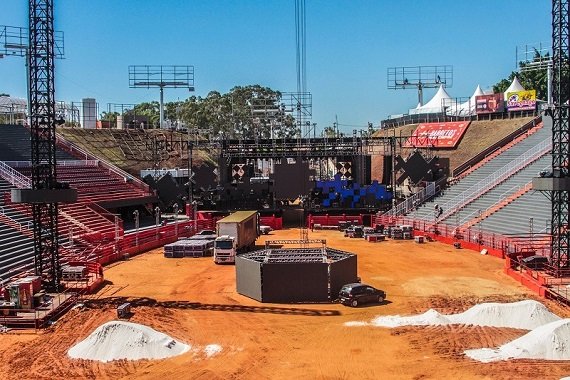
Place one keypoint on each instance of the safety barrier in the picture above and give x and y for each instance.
(472, 238)
(272, 221)
(333, 220)
(413, 201)
(13, 176)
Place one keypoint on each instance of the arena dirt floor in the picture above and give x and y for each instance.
(195, 301)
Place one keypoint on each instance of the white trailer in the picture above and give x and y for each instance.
(236, 234)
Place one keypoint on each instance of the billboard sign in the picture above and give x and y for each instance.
(489, 103)
(437, 135)
(521, 100)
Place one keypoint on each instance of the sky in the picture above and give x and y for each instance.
(350, 45)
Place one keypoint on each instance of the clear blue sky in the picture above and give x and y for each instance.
(350, 45)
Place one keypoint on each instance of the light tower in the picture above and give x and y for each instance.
(536, 57)
(14, 41)
(46, 192)
(557, 187)
(173, 76)
(420, 77)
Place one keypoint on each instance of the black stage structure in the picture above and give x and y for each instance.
(296, 163)
(295, 274)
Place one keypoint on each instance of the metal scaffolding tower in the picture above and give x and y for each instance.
(558, 186)
(46, 192)
(560, 132)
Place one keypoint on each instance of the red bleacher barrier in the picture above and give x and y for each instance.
(147, 239)
(272, 221)
(495, 244)
(332, 220)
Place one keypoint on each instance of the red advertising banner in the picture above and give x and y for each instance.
(437, 135)
(489, 103)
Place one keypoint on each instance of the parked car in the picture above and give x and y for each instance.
(357, 293)
(206, 232)
(265, 229)
(535, 262)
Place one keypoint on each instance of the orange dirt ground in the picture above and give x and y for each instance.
(195, 301)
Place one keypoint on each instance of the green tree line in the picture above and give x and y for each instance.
(218, 114)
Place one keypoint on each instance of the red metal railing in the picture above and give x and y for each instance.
(473, 238)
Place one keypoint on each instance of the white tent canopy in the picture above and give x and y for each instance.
(468, 107)
(515, 86)
(435, 103)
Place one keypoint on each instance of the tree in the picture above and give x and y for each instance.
(230, 114)
(151, 111)
(109, 116)
(329, 132)
(536, 79)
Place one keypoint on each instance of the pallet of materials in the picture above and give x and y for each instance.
(189, 248)
(374, 238)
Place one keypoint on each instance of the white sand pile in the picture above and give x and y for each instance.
(124, 340)
(526, 314)
(212, 350)
(547, 342)
(429, 318)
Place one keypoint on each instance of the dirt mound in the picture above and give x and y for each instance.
(124, 340)
(547, 342)
(527, 315)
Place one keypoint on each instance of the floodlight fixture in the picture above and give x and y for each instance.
(420, 77)
(161, 76)
(535, 57)
(14, 41)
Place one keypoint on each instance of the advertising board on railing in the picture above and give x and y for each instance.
(437, 135)
(489, 103)
(521, 100)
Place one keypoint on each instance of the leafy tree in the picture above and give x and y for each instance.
(530, 79)
(329, 131)
(109, 116)
(150, 110)
(230, 114)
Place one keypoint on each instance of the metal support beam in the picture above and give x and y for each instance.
(42, 119)
(560, 132)
(161, 111)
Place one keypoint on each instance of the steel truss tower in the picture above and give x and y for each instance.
(46, 192)
(560, 132)
(558, 186)
(42, 107)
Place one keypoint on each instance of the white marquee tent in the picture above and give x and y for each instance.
(435, 103)
(468, 107)
(515, 86)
